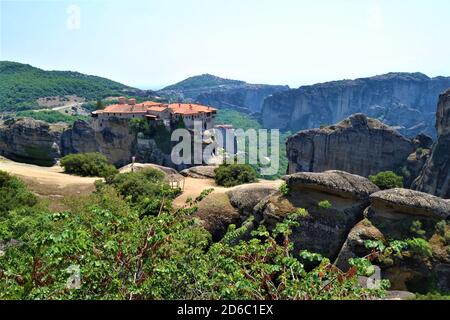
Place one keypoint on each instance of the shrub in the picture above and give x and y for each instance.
(230, 175)
(146, 190)
(14, 194)
(387, 180)
(420, 247)
(441, 228)
(19, 208)
(325, 204)
(416, 228)
(88, 165)
(284, 189)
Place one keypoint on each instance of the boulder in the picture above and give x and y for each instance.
(354, 245)
(396, 213)
(200, 172)
(395, 203)
(246, 197)
(335, 201)
(216, 213)
(170, 173)
(357, 145)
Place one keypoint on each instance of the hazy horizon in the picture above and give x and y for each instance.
(149, 44)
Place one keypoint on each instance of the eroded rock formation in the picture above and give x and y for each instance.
(335, 201)
(358, 145)
(402, 214)
(406, 101)
(435, 177)
(31, 141)
(37, 142)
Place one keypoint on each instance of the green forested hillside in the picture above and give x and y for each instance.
(202, 81)
(22, 84)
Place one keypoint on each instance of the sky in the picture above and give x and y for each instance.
(153, 43)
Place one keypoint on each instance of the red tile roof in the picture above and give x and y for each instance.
(128, 108)
(142, 108)
(189, 109)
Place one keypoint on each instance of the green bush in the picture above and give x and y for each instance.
(14, 194)
(88, 165)
(387, 180)
(420, 247)
(230, 175)
(325, 204)
(284, 189)
(18, 208)
(146, 190)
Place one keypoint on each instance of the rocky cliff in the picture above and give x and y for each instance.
(37, 142)
(406, 101)
(358, 145)
(31, 141)
(114, 140)
(435, 177)
(221, 93)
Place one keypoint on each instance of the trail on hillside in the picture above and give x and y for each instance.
(49, 182)
(193, 187)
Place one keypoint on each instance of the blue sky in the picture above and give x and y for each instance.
(150, 43)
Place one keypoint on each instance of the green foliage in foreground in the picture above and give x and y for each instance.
(88, 165)
(14, 194)
(50, 116)
(146, 190)
(122, 254)
(230, 175)
(284, 189)
(17, 207)
(387, 180)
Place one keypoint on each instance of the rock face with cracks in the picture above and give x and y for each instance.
(357, 145)
(335, 202)
(435, 176)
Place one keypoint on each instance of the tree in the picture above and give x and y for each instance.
(230, 175)
(88, 165)
(387, 180)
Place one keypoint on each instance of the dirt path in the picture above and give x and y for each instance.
(52, 183)
(48, 181)
(193, 187)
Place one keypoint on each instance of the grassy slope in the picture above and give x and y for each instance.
(21, 85)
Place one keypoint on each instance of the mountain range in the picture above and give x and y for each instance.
(406, 101)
